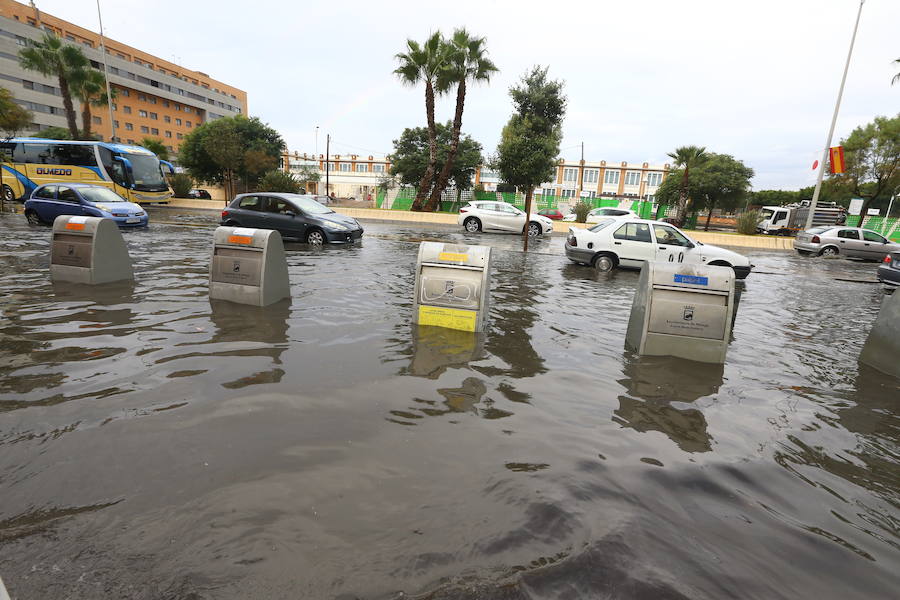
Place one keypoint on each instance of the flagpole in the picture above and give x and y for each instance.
(837, 106)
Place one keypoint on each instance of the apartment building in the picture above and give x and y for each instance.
(582, 179)
(349, 175)
(155, 98)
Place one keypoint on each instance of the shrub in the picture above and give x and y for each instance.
(747, 222)
(181, 184)
(279, 181)
(581, 211)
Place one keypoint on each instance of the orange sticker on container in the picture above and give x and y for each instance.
(240, 239)
(75, 226)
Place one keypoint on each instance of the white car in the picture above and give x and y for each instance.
(628, 242)
(599, 213)
(501, 216)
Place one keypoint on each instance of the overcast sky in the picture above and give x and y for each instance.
(755, 79)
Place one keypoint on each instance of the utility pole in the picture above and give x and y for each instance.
(112, 121)
(837, 106)
(327, 164)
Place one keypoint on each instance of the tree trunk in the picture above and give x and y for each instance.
(67, 105)
(86, 120)
(712, 205)
(681, 213)
(528, 194)
(428, 176)
(435, 201)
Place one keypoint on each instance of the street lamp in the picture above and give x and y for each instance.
(112, 121)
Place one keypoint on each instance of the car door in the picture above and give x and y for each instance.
(250, 212)
(673, 246)
(44, 201)
(875, 246)
(68, 202)
(848, 243)
(633, 244)
(285, 218)
(513, 218)
(491, 217)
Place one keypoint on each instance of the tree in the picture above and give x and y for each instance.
(279, 181)
(872, 162)
(685, 158)
(13, 119)
(720, 181)
(468, 62)
(89, 86)
(54, 133)
(774, 197)
(51, 57)
(529, 143)
(156, 146)
(411, 156)
(897, 76)
(426, 63)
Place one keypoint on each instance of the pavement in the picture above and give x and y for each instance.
(379, 215)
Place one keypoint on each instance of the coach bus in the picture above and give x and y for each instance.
(133, 172)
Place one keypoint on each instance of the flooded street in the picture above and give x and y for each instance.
(155, 445)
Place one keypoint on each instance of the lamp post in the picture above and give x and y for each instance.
(112, 121)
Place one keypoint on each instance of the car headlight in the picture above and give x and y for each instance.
(103, 207)
(335, 226)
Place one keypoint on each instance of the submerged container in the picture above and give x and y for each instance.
(248, 266)
(453, 284)
(88, 250)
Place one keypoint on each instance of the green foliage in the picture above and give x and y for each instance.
(155, 146)
(411, 155)
(13, 118)
(669, 191)
(747, 222)
(775, 197)
(181, 184)
(529, 143)
(279, 181)
(307, 173)
(89, 86)
(582, 209)
(719, 181)
(54, 133)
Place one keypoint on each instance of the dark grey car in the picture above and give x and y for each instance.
(293, 216)
(889, 270)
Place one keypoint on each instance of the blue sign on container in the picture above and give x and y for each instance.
(691, 279)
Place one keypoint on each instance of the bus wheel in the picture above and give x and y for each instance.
(8, 194)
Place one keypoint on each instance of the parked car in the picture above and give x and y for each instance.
(597, 214)
(199, 195)
(51, 200)
(852, 242)
(628, 242)
(501, 216)
(889, 270)
(293, 216)
(552, 214)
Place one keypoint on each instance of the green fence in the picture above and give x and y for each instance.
(888, 227)
(406, 196)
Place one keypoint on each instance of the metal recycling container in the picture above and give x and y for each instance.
(88, 250)
(452, 286)
(248, 266)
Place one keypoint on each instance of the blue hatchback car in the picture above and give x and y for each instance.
(81, 199)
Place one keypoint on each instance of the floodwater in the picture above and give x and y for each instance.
(156, 446)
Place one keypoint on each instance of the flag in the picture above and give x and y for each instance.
(837, 159)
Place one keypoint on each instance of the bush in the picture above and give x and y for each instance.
(747, 222)
(279, 181)
(181, 184)
(581, 211)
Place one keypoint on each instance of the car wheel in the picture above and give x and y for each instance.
(472, 225)
(534, 229)
(829, 251)
(315, 237)
(33, 218)
(604, 263)
(8, 194)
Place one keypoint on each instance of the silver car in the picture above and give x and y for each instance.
(852, 242)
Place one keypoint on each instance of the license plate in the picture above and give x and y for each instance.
(133, 220)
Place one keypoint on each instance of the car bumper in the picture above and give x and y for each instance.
(579, 255)
(343, 237)
(742, 272)
(548, 228)
(889, 276)
(123, 221)
(807, 247)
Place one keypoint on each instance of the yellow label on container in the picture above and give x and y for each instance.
(451, 318)
(454, 256)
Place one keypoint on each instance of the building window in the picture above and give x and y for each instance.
(345, 166)
(131, 141)
(570, 174)
(591, 176)
(651, 198)
(28, 85)
(170, 148)
(633, 178)
(145, 129)
(152, 100)
(568, 193)
(142, 113)
(115, 123)
(187, 109)
(187, 124)
(179, 136)
(126, 110)
(177, 107)
(361, 168)
(168, 134)
(178, 121)
(611, 177)
(142, 97)
(654, 179)
(548, 192)
(154, 116)
(154, 131)
(129, 127)
(96, 120)
(378, 168)
(124, 92)
(167, 118)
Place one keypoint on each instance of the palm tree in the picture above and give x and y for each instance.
(468, 62)
(897, 76)
(426, 63)
(89, 86)
(51, 57)
(686, 157)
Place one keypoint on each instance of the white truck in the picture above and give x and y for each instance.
(790, 219)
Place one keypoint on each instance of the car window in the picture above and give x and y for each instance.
(603, 223)
(99, 194)
(280, 206)
(48, 192)
(669, 236)
(509, 208)
(871, 236)
(67, 195)
(251, 203)
(849, 234)
(635, 232)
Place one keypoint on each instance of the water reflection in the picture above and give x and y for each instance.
(435, 349)
(653, 384)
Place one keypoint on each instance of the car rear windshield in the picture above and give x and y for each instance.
(308, 205)
(99, 195)
(603, 223)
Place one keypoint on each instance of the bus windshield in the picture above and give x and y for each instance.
(146, 173)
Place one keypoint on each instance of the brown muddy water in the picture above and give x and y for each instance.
(156, 446)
